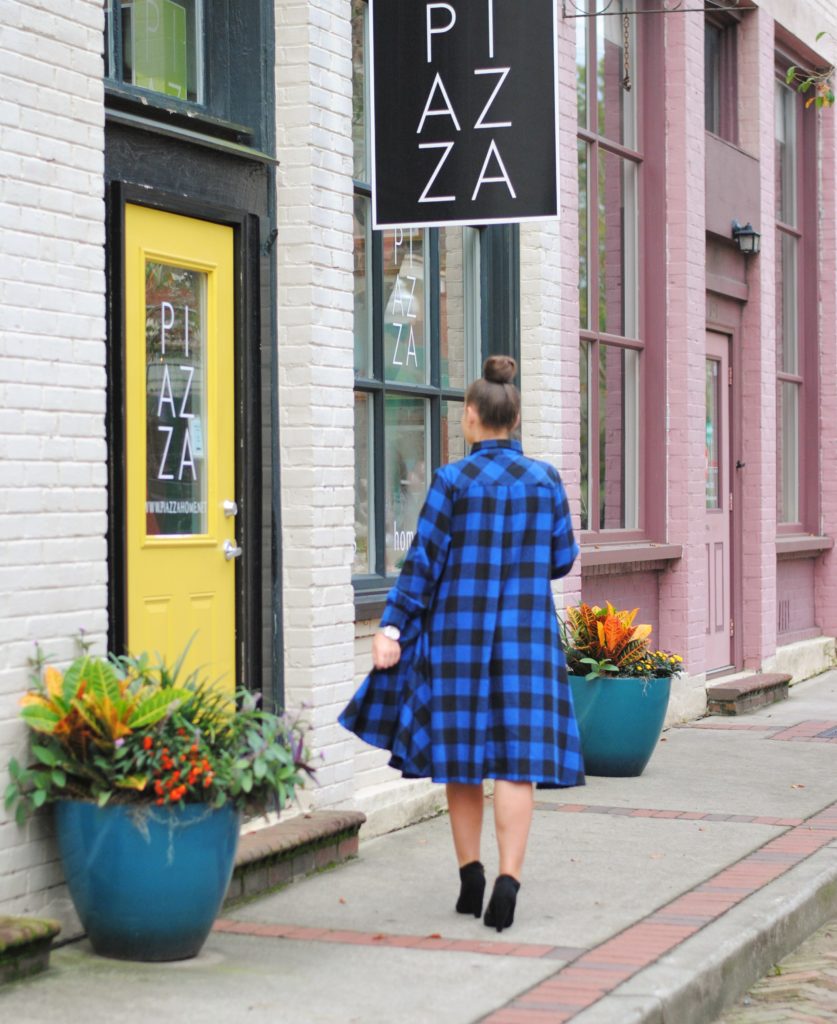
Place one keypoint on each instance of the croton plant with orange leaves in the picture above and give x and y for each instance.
(126, 730)
(603, 641)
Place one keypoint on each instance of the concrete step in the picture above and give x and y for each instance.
(25, 946)
(740, 695)
(271, 857)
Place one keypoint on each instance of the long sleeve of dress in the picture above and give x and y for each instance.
(423, 566)
(564, 547)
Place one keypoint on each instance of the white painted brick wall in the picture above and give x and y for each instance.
(53, 499)
(316, 353)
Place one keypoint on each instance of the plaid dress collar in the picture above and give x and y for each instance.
(496, 444)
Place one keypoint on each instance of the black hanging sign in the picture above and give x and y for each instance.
(464, 112)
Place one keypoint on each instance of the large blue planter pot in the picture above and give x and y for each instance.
(147, 882)
(620, 721)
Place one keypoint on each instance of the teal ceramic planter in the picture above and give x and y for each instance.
(620, 721)
(147, 882)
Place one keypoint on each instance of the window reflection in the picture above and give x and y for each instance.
(162, 45)
(405, 317)
(617, 245)
(406, 479)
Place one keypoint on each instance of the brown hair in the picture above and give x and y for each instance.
(494, 396)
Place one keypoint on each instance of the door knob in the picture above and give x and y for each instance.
(230, 509)
(231, 551)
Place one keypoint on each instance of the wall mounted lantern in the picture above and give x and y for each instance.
(746, 238)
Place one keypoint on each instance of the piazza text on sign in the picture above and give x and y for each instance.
(463, 111)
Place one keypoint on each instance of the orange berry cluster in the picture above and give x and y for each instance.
(178, 773)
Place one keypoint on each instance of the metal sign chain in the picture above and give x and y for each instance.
(626, 52)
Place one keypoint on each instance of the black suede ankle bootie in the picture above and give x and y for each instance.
(500, 911)
(472, 877)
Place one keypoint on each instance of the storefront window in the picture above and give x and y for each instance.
(792, 246)
(609, 168)
(416, 334)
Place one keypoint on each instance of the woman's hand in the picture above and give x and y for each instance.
(385, 652)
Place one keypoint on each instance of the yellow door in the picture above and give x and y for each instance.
(180, 457)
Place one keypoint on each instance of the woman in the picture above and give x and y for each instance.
(469, 679)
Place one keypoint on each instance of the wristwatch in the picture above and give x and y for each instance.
(391, 632)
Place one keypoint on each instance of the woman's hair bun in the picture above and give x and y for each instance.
(499, 369)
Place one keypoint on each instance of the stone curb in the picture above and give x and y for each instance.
(708, 972)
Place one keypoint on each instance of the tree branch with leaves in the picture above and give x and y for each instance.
(804, 80)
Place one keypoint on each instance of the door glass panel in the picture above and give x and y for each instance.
(407, 458)
(712, 448)
(405, 317)
(176, 407)
(162, 47)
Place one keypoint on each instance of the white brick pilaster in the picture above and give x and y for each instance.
(315, 355)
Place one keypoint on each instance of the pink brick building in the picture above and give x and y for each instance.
(723, 539)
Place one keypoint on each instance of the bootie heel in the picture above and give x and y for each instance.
(500, 911)
(472, 878)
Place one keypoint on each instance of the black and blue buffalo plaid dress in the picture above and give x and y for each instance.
(481, 689)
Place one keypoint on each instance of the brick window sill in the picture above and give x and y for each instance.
(619, 559)
(802, 545)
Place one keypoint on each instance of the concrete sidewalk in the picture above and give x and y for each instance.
(655, 899)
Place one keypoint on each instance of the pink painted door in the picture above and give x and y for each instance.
(718, 504)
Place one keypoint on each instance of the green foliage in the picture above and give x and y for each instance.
(124, 730)
(821, 82)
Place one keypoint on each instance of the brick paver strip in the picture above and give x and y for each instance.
(814, 731)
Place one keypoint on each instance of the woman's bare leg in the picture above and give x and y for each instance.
(465, 803)
(513, 806)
